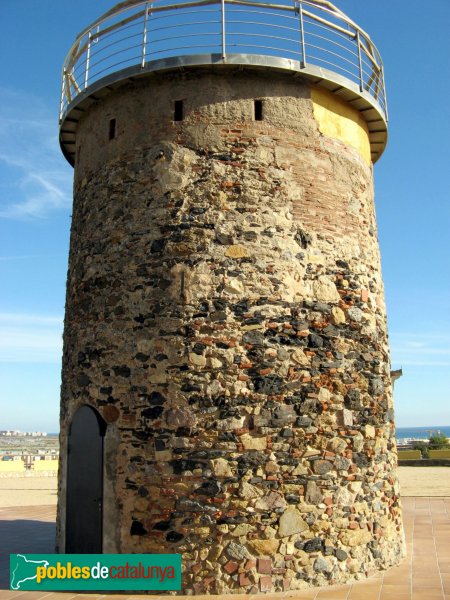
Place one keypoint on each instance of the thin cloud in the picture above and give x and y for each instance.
(420, 349)
(425, 363)
(33, 319)
(28, 257)
(30, 338)
(35, 178)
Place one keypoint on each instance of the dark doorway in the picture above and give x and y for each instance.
(85, 483)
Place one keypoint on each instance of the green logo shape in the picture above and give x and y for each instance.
(95, 572)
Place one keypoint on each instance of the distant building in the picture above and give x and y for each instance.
(18, 433)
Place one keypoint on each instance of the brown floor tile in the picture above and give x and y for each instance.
(30, 595)
(295, 595)
(420, 578)
(60, 596)
(334, 594)
(403, 582)
(138, 597)
(425, 571)
(7, 594)
(397, 576)
(88, 596)
(432, 586)
(270, 596)
(424, 577)
(404, 567)
(432, 589)
(364, 593)
(400, 588)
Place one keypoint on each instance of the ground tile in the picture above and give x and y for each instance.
(60, 596)
(425, 572)
(399, 588)
(436, 590)
(7, 594)
(399, 577)
(295, 595)
(30, 595)
(269, 596)
(427, 582)
(366, 593)
(123, 597)
(334, 594)
(87, 596)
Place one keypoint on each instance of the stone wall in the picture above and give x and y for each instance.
(225, 315)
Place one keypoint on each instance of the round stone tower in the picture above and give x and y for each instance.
(226, 385)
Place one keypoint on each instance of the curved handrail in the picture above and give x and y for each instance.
(307, 32)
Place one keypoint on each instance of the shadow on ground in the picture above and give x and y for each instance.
(23, 537)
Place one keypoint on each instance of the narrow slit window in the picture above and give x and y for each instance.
(178, 110)
(258, 110)
(112, 129)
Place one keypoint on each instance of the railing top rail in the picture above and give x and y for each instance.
(158, 5)
(313, 37)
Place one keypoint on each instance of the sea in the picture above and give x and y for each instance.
(421, 433)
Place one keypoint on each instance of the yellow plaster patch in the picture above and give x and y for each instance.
(340, 121)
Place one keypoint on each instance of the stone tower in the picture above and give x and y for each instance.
(226, 385)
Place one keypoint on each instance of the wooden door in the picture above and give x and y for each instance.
(84, 515)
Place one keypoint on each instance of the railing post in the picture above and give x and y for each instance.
(383, 91)
(88, 60)
(302, 33)
(63, 86)
(144, 36)
(224, 45)
(361, 75)
(68, 83)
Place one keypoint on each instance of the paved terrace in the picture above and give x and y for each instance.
(423, 575)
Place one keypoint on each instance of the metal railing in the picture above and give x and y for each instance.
(144, 34)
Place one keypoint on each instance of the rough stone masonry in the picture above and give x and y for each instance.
(225, 315)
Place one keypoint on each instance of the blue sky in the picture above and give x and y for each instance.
(412, 196)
